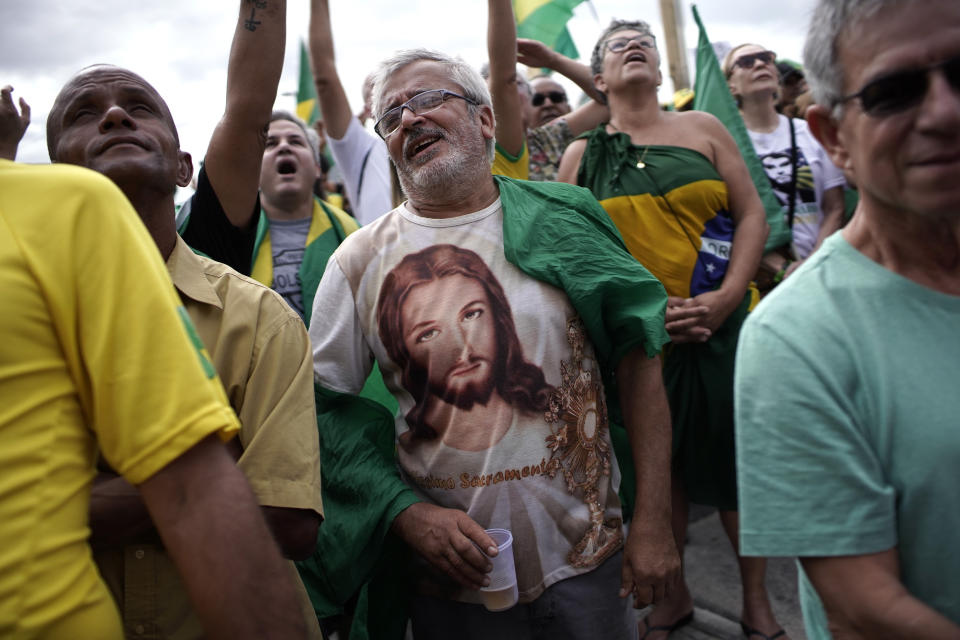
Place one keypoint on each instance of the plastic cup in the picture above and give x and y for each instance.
(501, 593)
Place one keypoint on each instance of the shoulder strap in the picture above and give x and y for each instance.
(793, 175)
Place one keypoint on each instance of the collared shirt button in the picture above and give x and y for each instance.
(138, 554)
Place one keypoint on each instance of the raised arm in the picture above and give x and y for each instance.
(536, 54)
(253, 75)
(502, 49)
(13, 124)
(333, 99)
(864, 598)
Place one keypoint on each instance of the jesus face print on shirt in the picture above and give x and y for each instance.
(445, 321)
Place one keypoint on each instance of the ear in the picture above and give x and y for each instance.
(184, 168)
(487, 122)
(599, 83)
(826, 130)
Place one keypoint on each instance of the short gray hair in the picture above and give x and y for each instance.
(831, 19)
(596, 58)
(313, 138)
(461, 73)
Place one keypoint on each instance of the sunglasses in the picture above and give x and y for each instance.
(556, 97)
(419, 104)
(904, 89)
(747, 61)
(619, 44)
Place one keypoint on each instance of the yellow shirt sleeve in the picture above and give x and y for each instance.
(510, 166)
(145, 383)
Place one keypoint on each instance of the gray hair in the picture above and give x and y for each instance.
(313, 138)
(831, 19)
(596, 58)
(460, 73)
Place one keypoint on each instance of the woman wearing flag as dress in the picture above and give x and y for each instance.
(677, 188)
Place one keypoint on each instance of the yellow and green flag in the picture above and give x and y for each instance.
(307, 108)
(546, 21)
(712, 94)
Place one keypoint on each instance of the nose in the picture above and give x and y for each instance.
(940, 109)
(408, 117)
(116, 116)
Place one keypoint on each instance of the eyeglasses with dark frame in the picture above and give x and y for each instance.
(556, 97)
(619, 44)
(420, 104)
(901, 90)
(747, 61)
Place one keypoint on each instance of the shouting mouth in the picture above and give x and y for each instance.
(286, 166)
(418, 144)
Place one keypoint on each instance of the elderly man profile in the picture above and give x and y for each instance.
(847, 408)
(113, 121)
(552, 480)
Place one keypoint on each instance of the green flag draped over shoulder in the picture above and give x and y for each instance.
(712, 94)
(307, 108)
(546, 21)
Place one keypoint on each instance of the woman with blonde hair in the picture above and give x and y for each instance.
(806, 182)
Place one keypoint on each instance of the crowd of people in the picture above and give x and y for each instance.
(310, 433)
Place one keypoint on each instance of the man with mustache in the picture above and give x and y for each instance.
(512, 301)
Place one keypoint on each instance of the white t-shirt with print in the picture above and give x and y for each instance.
(815, 174)
(502, 411)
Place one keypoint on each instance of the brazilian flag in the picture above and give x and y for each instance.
(546, 21)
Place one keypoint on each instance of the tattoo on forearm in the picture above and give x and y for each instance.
(251, 23)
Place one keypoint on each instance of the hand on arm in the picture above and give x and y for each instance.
(651, 564)
(502, 50)
(864, 598)
(13, 124)
(449, 539)
(536, 54)
(333, 99)
(685, 320)
(253, 74)
(241, 589)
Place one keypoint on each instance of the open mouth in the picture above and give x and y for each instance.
(418, 145)
(286, 167)
(636, 56)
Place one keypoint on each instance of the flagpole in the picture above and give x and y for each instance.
(676, 49)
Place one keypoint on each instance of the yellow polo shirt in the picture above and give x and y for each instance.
(262, 354)
(94, 353)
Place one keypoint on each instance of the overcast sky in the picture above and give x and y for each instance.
(181, 46)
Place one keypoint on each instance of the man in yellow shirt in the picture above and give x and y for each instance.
(113, 121)
(73, 376)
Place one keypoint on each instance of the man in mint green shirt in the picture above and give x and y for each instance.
(846, 387)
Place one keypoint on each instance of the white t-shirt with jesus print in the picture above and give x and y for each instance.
(502, 411)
